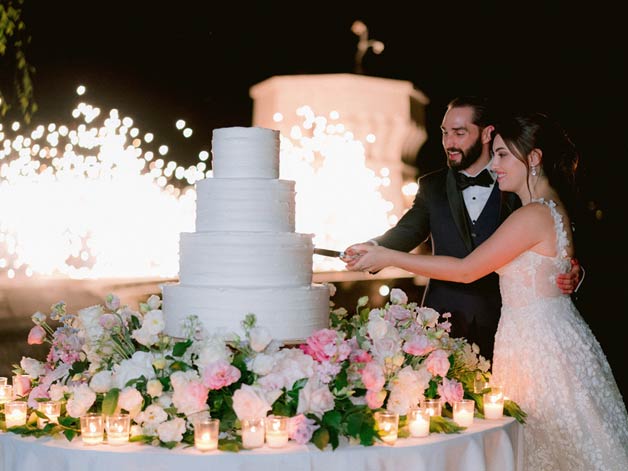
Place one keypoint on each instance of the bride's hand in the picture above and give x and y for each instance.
(365, 257)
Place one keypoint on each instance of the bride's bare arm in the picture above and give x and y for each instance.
(523, 230)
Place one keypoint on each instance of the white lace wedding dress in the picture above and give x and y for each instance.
(550, 363)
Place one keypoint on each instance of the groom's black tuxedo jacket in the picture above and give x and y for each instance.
(439, 211)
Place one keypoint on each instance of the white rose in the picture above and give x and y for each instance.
(263, 364)
(154, 302)
(140, 364)
(82, 399)
(101, 381)
(428, 315)
(377, 327)
(260, 338)
(144, 337)
(250, 402)
(154, 388)
(154, 322)
(315, 398)
(165, 400)
(398, 296)
(152, 416)
(211, 351)
(33, 368)
(131, 401)
(57, 392)
(89, 318)
(171, 431)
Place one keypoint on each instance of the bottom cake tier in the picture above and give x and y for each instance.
(291, 314)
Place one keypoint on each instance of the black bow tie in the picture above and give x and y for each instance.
(483, 179)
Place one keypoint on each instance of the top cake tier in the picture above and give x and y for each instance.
(245, 152)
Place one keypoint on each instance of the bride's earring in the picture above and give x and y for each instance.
(533, 170)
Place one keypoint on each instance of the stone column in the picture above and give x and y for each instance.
(390, 110)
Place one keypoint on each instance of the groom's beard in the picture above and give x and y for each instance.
(469, 157)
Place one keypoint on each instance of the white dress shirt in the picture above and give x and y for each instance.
(475, 197)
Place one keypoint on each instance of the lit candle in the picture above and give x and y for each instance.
(433, 406)
(206, 434)
(51, 409)
(493, 405)
(387, 426)
(276, 431)
(15, 413)
(252, 433)
(118, 427)
(21, 385)
(419, 422)
(92, 426)
(463, 412)
(6, 393)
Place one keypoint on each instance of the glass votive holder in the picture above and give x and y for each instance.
(6, 393)
(118, 428)
(463, 412)
(252, 433)
(15, 413)
(493, 405)
(206, 434)
(419, 422)
(480, 385)
(3, 380)
(497, 390)
(387, 426)
(276, 431)
(21, 385)
(433, 406)
(92, 428)
(51, 409)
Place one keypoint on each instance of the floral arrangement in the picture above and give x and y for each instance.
(110, 359)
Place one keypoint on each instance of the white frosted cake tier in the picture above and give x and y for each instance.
(241, 152)
(249, 204)
(253, 259)
(289, 313)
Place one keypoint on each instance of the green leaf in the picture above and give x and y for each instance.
(181, 347)
(110, 401)
(332, 418)
(512, 409)
(442, 425)
(69, 434)
(229, 444)
(320, 438)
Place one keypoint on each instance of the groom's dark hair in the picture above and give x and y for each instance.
(482, 114)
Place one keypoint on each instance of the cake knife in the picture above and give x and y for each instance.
(329, 253)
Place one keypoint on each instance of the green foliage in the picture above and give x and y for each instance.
(13, 38)
(110, 401)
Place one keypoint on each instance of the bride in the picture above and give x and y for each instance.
(546, 357)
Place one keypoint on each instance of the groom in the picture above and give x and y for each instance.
(459, 207)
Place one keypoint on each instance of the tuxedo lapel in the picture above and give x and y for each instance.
(458, 211)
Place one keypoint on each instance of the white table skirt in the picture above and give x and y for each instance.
(495, 445)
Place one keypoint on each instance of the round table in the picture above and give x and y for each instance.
(487, 445)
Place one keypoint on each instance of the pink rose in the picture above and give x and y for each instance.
(373, 377)
(450, 391)
(317, 344)
(37, 335)
(301, 429)
(219, 374)
(375, 399)
(437, 363)
(418, 345)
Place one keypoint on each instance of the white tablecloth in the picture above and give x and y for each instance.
(495, 445)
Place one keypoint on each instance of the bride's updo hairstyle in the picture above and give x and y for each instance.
(525, 132)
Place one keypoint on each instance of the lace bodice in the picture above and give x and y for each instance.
(525, 279)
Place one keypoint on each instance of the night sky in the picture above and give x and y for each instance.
(158, 62)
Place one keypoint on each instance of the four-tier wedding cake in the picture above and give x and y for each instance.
(245, 256)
